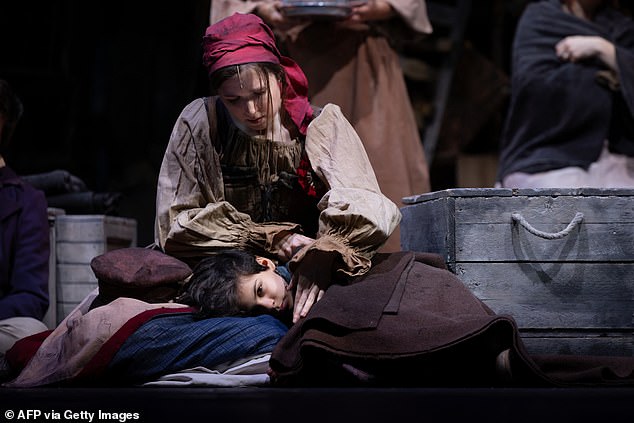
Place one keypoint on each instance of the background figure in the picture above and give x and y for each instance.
(351, 63)
(24, 241)
(571, 116)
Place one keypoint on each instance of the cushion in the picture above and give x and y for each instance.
(141, 273)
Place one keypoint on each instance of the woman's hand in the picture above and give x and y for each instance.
(290, 244)
(271, 14)
(580, 47)
(311, 278)
(373, 10)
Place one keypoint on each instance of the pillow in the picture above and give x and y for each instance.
(142, 273)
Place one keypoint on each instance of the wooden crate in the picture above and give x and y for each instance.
(560, 261)
(50, 318)
(78, 239)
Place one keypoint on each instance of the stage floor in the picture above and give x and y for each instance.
(153, 404)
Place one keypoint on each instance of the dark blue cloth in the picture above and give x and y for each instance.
(171, 343)
(284, 272)
(24, 248)
(560, 113)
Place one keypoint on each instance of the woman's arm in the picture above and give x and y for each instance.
(354, 212)
(221, 9)
(373, 10)
(580, 47)
(411, 12)
(355, 219)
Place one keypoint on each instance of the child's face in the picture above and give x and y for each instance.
(266, 291)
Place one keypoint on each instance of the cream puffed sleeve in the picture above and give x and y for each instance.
(355, 217)
(192, 217)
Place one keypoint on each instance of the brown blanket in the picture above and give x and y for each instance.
(411, 322)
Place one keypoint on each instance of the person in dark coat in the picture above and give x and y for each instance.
(570, 121)
(24, 241)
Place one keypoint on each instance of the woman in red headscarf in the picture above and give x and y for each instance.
(255, 167)
(351, 60)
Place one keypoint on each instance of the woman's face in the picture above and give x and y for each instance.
(265, 291)
(247, 98)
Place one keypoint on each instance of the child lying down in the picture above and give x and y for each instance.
(407, 322)
(125, 340)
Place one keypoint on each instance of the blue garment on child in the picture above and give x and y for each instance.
(283, 271)
(173, 342)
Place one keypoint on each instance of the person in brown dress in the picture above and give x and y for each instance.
(351, 63)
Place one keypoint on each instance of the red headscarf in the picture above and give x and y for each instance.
(245, 38)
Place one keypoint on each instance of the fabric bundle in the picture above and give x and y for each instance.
(66, 191)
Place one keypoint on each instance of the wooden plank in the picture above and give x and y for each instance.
(78, 252)
(605, 344)
(93, 228)
(484, 229)
(75, 273)
(121, 231)
(605, 242)
(545, 210)
(563, 295)
(74, 292)
(79, 239)
(432, 232)
(516, 192)
(50, 318)
(80, 228)
(573, 295)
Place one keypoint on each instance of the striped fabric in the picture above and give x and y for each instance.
(171, 343)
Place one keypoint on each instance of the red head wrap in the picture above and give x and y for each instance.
(245, 38)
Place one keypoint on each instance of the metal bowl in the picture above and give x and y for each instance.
(318, 9)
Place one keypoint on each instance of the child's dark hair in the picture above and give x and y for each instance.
(212, 287)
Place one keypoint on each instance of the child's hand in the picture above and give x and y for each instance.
(312, 277)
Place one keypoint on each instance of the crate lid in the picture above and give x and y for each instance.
(518, 192)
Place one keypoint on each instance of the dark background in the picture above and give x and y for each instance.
(103, 82)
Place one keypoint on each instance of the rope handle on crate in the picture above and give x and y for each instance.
(518, 218)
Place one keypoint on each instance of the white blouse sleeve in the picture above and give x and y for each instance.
(355, 217)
